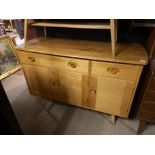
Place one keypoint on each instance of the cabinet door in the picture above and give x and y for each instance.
(112, 95)
(58, 85)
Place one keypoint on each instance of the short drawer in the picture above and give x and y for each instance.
(148, 116)
(150, 96)
(63, 63)
(147, 106)
(115, 70)
(152, 84)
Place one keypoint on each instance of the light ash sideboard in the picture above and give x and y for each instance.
(84, 73)
(91, 74)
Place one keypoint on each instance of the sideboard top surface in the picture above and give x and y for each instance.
(90, 50)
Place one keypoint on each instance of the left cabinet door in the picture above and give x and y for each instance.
(54, 84)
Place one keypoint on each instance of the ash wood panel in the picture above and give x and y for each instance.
(92, 92)
(91, 50)
(53, 61)
(127, 98)
(115, 70)
(58, 85)
(111, 94)
(73, 25)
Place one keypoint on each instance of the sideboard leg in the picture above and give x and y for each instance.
(141, 127)
(113, 119)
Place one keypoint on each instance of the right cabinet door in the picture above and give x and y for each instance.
(114, 96)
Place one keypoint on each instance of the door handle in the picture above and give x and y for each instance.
(32, 59)
(93, 91)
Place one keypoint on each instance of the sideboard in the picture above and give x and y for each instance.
(83, 73)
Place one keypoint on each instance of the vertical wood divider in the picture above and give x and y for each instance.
(25, 31)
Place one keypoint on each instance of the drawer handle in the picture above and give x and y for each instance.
(93, 91)
(72, 64)
(55, 83)
(113, 70)
(32, 59)
(51, 82)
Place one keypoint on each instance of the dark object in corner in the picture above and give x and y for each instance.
(146, 111)
(8, 122)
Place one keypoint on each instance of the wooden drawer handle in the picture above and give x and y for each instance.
(55, 83)
(51, 82)
(113, 70)
(93, 91)
(32, 59)
(72, 64)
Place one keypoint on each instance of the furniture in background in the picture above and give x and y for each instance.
(146, 111)
(9, 25)
(83, 73)
(8, 60)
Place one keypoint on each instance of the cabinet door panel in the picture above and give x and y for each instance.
(39, 81)
(58, 85)
(114, 95)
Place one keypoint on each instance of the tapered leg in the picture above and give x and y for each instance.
(113, 119)
(141, 127)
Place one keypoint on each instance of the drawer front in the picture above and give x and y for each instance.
(152, 84)
(69, 64)
(147, 106)
(115, 70)
(150, 96)
(148, 116)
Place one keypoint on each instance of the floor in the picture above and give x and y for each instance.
(38, 116)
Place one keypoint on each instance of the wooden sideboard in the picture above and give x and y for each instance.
(84, 73)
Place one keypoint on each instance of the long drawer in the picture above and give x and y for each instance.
(64, 63)
(148, 116)
(115, 70)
